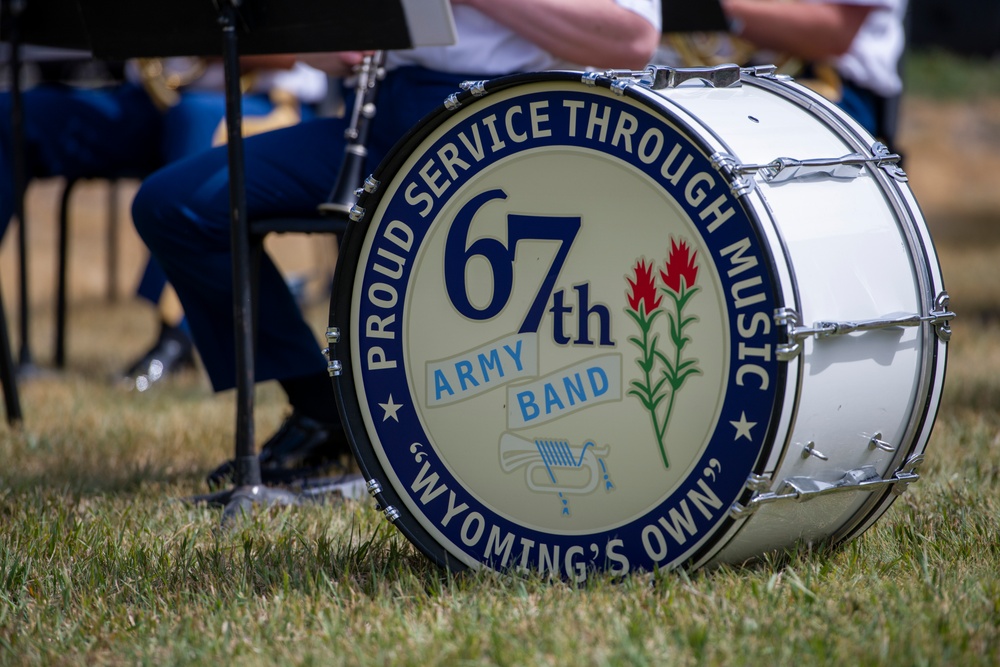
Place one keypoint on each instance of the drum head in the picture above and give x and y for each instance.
(556, 331)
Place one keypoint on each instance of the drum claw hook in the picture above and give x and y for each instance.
(809, 449)
(876, 442)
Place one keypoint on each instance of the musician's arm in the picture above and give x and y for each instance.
(335, 63)
(276, 61)
(812, 31)
(254, 63)
(597, 33)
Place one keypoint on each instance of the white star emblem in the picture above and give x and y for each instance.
(743, 427)
(391, 409)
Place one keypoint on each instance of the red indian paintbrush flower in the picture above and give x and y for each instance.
(643, 289)
(680, 265)
(662, 374)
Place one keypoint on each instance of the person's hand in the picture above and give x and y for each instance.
(335, 63)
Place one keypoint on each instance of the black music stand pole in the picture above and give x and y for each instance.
(247, 488)
(25, 362)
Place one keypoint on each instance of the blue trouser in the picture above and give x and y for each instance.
(74, 132)
(115, 130)
(861, 105)
(188, 128)
(182, 212)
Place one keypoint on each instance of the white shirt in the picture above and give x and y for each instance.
(872, 61)
(486, 47)
(306, 83)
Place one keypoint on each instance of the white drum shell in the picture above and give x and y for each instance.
(854, 250)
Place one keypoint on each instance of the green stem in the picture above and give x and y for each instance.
(674, 383)
(648, 366)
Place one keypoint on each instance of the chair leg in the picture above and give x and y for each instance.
(256, 247)
(8, 378)
(112, 241)
(59, 354)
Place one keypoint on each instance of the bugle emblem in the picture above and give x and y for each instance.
(555, 466)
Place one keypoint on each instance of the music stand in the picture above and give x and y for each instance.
(700, 16)
(120, 29)
(42, 23)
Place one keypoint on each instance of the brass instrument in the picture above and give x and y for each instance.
(708, 49)
(164, 77)
(701, 49)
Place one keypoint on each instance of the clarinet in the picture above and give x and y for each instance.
(351, 177)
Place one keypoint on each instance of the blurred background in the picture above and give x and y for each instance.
(965, 27)
(950, 139)
(949, 135)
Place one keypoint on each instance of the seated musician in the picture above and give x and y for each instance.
(87, 118)
(846, 50)
(182, 212)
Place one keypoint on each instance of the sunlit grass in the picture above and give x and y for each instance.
(102, 560)
(942, 75)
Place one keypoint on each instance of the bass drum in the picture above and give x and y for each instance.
(633, 321)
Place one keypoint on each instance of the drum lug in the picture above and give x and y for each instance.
(787, 318)
(800, 489)
(371, 186)
(619, 79)
(389, 511)
(942, 316)
(758, 482)
(333, 366)
(809, 449)
(905, 476)
(451, 102)
(846, 167)
(719, 76)
(764, 72)
(876, 442)
(890, 163)
(726, 164)
(356, 213)
(939, 317)
(477, 88)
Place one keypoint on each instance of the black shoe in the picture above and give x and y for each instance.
(173, 352)
(302, 448)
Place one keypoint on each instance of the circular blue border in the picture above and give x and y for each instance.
(759, 405)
